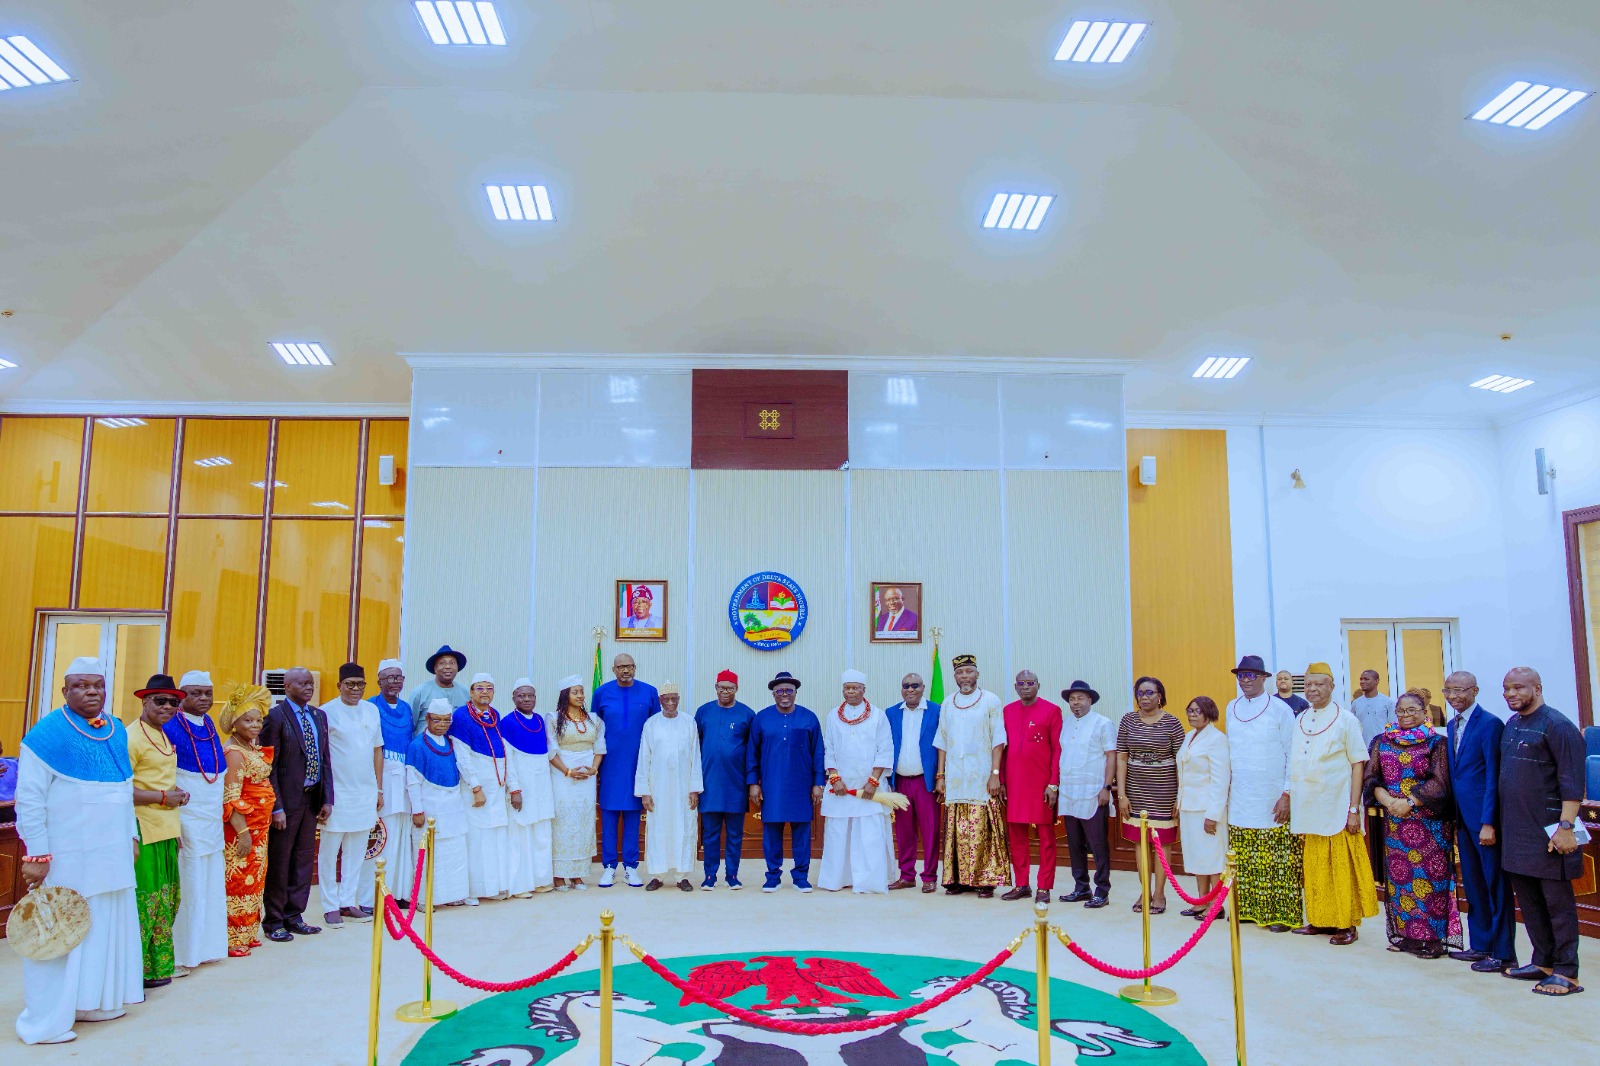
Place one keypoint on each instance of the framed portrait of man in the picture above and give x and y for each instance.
(897, 612)
(641, 610)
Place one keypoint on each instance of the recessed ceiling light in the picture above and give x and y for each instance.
(1100, 42)
(460, 22)
(1015, 210)
(120, 423)
(1221, 367)
(296, 354)
(22, 64)
(520, 203)
(6, 364)
(1529, 105)
(215, 460)
(1501, 383)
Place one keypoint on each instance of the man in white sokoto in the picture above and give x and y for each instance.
(200, 930)
(668, 782)
(858, 749)
(355, 751)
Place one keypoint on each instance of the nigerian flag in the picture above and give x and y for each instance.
(596, 686)
(936, 682)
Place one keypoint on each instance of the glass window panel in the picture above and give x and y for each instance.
(130, 467)
(378, 628)
(316, 467)
(41, 458)
(387, 438)
(138, 655)
(1422, 653)
(38, 556)
(235, 487)
(72, 640)
(124, 564)
(216, 573)
(308, 598)
(1368, 650)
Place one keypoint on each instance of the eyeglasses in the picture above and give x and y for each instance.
(1246, 675)
(911, 684)
(166, 701)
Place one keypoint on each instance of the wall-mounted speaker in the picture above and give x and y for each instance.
(1147, 470)
(386, 470)
(1542, 472)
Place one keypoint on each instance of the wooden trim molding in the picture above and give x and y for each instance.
(1570, 521)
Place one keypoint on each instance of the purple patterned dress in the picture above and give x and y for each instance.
(1418, 871)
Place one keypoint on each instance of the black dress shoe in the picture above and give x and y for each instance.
(1525, 973)
(1488, 965)
(1278, 927)
(1077, 895)
(280, 936)
(1020, 892)
(1096, 903)
(298, 925)
(1469, 956)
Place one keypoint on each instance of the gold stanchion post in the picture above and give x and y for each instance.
(606, 935)
(426, 1009)
(1238, 962)
(1144, 993)
(377, 967)
(1041, 971)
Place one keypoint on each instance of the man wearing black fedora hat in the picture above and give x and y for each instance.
(156, 799)
(444, 665)
(1267, 856)
(1088, 769)
(787, 770)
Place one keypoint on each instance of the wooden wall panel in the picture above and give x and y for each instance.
(387, 437)
(308, 598)
(38, 559)
(1181, 565)
(1366, 649)
(41, 460)
(316, 467)
(124, 564)
(216, 574)
(130, 467)
(378, 627)
(237, 488)
(819, 440)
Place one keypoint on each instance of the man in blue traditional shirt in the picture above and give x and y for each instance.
(397, 719)
(786, 770)
(623, 705)
(724, 726)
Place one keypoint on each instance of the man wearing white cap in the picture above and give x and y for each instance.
(200, 930)
(396, 719)
(75, 817)
(492, 777)
(668, 782)
(858, 747)
(433, 790)
(533, 812)
(355, 751)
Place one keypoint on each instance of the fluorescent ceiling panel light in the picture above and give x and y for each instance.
(1528, 105)
(460, 22)
(6, 364)
(297, 354)
(215, 460)
(520, 203)
(1100, 41)
(1016, 211)
(121, 423)
(1501, 383)
(1221, 367)
(22, 64)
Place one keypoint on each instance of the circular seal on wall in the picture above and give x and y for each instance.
(767, 611)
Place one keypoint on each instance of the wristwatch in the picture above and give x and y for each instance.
(1355, 810)
(1563, 825)
(994, 773)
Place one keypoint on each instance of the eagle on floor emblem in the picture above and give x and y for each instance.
(783, 980)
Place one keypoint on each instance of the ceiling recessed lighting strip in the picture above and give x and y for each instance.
(1016, 211)
(121, 423)
(1527, 105)
(6, 364)
(520, 203)
(1501, 383)
(1222, 367)
(297, 354)
(460, 22)
(215, 460)
(1100, 42)
(22, 64)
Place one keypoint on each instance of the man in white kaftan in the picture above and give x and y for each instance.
(355, 751)
(493, 780)
(75, 817)
(668, 782)
(200, 928)
(1267, 855)
(971, 741)
(533, 812)
(858, 834)
(434, 790)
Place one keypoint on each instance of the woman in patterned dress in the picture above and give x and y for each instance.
(1408, 775)
(247, 801)
(1148, 740)
(580, 746)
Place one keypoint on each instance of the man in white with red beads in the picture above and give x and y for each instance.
(858, 749)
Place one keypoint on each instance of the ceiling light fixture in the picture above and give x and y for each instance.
(121, 423)
(1529, 105)
(215, 460)
(1016, 211)
(1222, 367)
(460, 22)
(1501, 383)
(520, 203)
(22, 65)
(6, 364)
(297, 354)
(1100, 42)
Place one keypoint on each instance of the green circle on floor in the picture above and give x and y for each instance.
(990, 1024)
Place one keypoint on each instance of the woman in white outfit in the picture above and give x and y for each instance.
(1203, 777)
(578, 745)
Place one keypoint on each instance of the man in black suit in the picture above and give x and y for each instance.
(302, 777)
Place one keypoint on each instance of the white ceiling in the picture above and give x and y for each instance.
(1292, 182)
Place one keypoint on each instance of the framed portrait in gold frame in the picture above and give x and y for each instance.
(641, 609)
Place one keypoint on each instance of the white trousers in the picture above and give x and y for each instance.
(858, 852)
(355, 887)
(489, 861)
(532, 860)
(400, 853)
(105, 972)
(200, 931)
(450, 882)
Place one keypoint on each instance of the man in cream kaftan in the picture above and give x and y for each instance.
(533, 813)
(668, 781)
(858, 835)
(200, 931)
(971, 740)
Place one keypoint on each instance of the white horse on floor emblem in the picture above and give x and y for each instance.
(988, 1018)
(637, 1041)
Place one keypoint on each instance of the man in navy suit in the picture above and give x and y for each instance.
(302, 778)
(915, 761)
(1474, 747)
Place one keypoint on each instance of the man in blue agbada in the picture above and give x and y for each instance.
(623, 705)
(786, 769)
(724, 726)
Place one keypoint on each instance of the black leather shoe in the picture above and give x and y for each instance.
(1525, 973)
(298, 925)
(1077, 895)
(1469, 956)
(280, 936)
(1096, 903)
(1488, 965)
(1020, 892)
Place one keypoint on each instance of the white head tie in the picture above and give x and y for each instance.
(478, 679)
(521, 682)
(853, 677)
(390, 664)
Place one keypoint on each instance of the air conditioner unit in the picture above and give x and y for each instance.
(273, 680)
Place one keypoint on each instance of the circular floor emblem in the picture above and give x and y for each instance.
(767, 611)
(990, 1024)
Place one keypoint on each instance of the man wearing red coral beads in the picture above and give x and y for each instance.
(1031, 772)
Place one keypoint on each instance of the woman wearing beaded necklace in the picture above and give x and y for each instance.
(247, 802)
(580, 747)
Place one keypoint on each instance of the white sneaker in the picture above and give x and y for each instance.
(608, 877)
(632, 874)
(471, 901)
(181, 971)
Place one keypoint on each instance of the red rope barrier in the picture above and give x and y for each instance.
(857, 1025)
(1173, 880)
(1166, 964)
(398, 928)
(416, 887)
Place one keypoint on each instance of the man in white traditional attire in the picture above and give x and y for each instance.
(75, 817)
(493, 781)
(434, 790)
(1261, 731)
(971, 741)
(200, 930)
(395, 720)
(355, 750)
(668, 782)
(858, 836)
(533, 812)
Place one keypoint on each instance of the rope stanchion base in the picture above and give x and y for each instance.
(1147, 995)
(425, 1010)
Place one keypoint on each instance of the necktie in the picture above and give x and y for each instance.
(308, 740)
(1461, 731)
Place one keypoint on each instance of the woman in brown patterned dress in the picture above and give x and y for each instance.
(1148, 740)
(247, 801)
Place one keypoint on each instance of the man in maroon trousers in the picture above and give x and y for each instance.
(913, 723)
(1031, 773)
